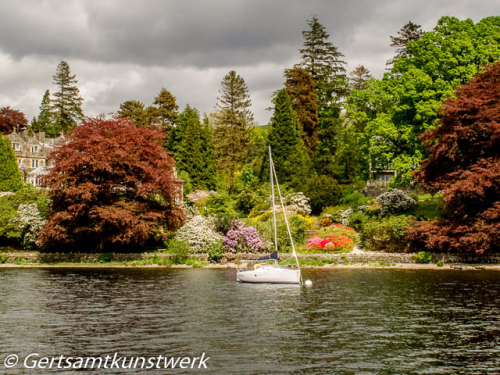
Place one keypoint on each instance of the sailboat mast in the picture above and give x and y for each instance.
(272, 199)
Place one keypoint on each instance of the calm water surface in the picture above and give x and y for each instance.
(352, 321)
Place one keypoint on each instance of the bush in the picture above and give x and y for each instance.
(440, 263)
(323, 191)
(246, 201)
(179, 250)
(105, 258)
(333, 212)
(387, 234)
(215, 252)
(243, 239)
(3, 258)
(223, 223)
(336, 238)
(394, 201)
(219, 204)
(357, 220)
(424, 257)
(325, 222)
(199, 234)
(296, 202)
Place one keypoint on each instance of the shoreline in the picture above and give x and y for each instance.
(411, 266)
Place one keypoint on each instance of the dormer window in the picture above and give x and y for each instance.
(16, 146)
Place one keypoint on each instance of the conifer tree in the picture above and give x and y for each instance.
(290, 155)
(133, 110)
(67, 105)
(408, 33)
(10, 176)
(44, 121)
(167, 109)
(232, 123)
(358, 78)
(300, 86)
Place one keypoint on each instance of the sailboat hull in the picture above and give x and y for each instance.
(270, 275)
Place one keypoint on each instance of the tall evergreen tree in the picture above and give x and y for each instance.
(300, 86)
(10, 176)
(232, 124)
(67, 105)
(167, 109)
(290, 155)
(408, 33)
(45, 120)
(133, 110)
(358, 77)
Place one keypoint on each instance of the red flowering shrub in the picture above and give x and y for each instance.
(335, 238)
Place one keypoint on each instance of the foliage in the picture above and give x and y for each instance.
(45, 120)
(105, 258)
(219, 204)
(12, 119)
(325, 222)
(290, 157)
(408, 33)
(108, 191)
(3, 258)
(199, 196)
(440, 263)
(166, 109)
(223, 223)
(336, 238)
(299, 202)
(424, 257)
(231, 122)
(323, 191)
(246, 200)
(199, 234)
(28, 223)
(133, 110)
(216, 252)
(178, 249)
(10, 176)
(394, 201)
(358, 77)
(67, 105)
(301, 88)
(357, 220)
(387, 234)
(464, 165)
(334, 213)
(243, 239)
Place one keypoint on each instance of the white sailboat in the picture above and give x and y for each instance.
(273, 274)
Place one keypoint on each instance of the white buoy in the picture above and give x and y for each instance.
(308, 283)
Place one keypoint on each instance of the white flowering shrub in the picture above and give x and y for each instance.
(199, 234)
(299, 203)
(29, 222)
(394, 201)
(199, 195)
(344, 216)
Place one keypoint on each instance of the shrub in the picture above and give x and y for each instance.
(297, 203)
(199, 234)
(322, 191)
(394, 201)
(424, 257)
(215, 252)
(29, 222)
(219, 204)
(344, 217)
(388, 234)
(179, 250)
(3, 258)
(223, 223)
(200, 195)
(337, 238)
(333, 212)
(105, 258)
(325, 222)
(258, 210)
(440, 263)
(246, 201)
(357, 220)
(243, 239)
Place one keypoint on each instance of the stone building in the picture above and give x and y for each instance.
(32, 153)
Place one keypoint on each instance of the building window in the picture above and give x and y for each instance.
(16, 146)
(19, 161)
(34, 149)
(34, 163)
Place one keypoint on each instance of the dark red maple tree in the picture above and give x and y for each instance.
(112, 185)
(465, 165)
(12, 119)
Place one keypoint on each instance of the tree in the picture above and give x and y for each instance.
(45, 120)
(167, 109)
(67, 105)
(301, 87)
(407, 98)
(232, 121)
(323, 191)
(359, 76)
(10, 176)
(133, 110)
(289, 153)
(12, 119)
(408, 33)
(194, 152)
(465, 165)
(108, 191)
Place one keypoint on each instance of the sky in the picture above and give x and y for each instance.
(128, 50)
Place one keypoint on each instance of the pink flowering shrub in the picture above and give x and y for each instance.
(336, 238)
(243, 239)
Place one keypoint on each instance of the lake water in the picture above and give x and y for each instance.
(352, 321)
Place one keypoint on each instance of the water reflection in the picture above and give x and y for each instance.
(350, 321)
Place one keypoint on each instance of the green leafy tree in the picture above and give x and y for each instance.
(67, 105)
(323, 191)
(167, 109)
(232, 125)
(301, 88)
(133, 110)
(291, 160)
(10, 176)
(398, 109)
